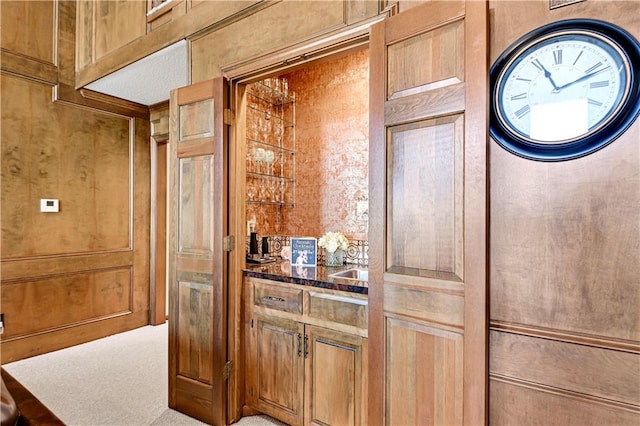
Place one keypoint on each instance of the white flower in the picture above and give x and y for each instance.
(332, 241)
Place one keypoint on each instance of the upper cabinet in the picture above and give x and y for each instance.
(105, 26)
(33, 37)
(113, 34)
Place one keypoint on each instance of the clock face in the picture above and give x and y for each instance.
(565, 88)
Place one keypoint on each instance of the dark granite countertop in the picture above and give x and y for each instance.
(317, 276)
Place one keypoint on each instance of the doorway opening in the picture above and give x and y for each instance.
(314, 118)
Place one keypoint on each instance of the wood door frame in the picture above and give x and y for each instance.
(158, 236)
(287, 59)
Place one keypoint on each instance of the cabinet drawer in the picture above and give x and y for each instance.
(338, 308)
(275, 297)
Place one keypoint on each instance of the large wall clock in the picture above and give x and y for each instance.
(565, 90)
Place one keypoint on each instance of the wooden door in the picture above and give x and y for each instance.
(275, 369)
(427, 240)
(197, 288)
(335, 386)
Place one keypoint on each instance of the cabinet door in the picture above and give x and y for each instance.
(275, 368)
(334, 378)
(427, 240)
(197, 259)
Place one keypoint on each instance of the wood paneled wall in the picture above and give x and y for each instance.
(81, 273)
(564, 251)
(565, 256)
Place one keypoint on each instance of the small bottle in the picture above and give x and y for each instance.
(253, 244)
(265, 246)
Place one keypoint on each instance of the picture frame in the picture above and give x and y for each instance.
(304, 251)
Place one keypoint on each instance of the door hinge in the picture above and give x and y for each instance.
(228, 369)
(228, 117)
(251, 322)
(229, 243)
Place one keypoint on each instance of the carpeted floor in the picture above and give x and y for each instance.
(120, 380)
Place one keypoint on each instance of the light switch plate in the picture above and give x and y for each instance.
(362, 208)
(49, 205)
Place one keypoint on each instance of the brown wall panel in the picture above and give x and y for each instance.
(605, 373)
(58, 151)
(82, 273)
(37, 306)
(513, 404)
(28, 27)
(565, 236)
(565, 261)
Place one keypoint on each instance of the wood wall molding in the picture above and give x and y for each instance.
(37, 344)
(576, 396)
(565, 336)
(44, 266)
(99, 101)
(20, 65)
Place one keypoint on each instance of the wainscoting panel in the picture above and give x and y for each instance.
(601, 372)
(38, 306)
(513, 403)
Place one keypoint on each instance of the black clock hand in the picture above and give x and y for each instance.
(547, 74)
(584, 77)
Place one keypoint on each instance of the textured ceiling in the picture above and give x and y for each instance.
(149, 80)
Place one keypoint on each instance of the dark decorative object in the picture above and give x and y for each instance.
(565, 90)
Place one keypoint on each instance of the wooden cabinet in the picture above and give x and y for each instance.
(306, 353)
(276, 367)
(334, 383)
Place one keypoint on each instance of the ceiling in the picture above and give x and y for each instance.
(149, 80)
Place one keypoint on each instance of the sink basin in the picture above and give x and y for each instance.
(352, 274)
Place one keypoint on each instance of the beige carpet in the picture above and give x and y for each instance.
(120, 380)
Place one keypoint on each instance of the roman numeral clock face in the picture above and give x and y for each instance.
(565, 90)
